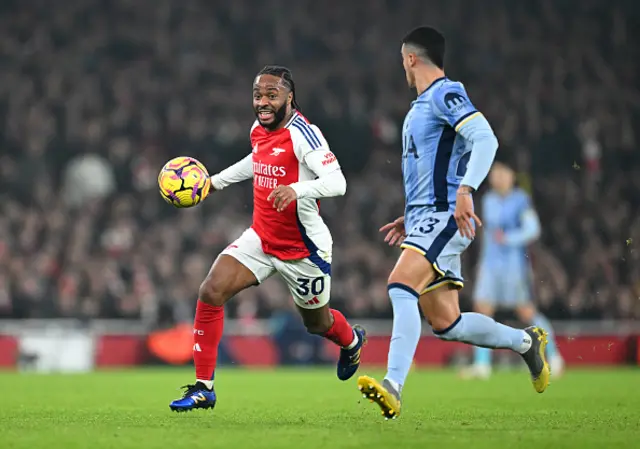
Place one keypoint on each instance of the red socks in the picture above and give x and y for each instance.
(207, 332)
(341, 332)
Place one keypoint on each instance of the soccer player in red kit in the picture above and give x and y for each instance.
(292, 167)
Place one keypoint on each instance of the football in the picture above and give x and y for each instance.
(184, 182)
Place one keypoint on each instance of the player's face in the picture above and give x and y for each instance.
(271, 101)
(408, 61)
(501, 178)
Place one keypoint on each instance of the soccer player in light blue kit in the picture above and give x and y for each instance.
(448, 149)
(504, 276)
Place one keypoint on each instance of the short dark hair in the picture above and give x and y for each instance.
(430, 40)
(287, 78)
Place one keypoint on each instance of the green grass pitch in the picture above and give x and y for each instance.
(309, 409)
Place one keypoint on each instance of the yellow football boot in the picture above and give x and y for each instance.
(387, 398)
(536, 360)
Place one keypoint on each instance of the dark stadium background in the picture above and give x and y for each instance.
(96, 95)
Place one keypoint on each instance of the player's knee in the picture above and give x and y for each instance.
(399, 277)
(212, 292)
(483, 308)
(412, 270)
(526, 313)
(393, 278)
(447, 330)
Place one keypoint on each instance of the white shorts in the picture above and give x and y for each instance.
(309, 285)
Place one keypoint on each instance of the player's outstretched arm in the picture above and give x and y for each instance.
(239, 171)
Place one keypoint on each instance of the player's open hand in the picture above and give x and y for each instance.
(464, 213)
(395, 232)
(282, 196)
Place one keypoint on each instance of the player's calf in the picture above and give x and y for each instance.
(482, 331)
(317, 321)
(407, 327)
(332, 325)
(479, 330)
(411, 275)
(207, 333)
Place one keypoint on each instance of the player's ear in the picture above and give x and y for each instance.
(289, 98)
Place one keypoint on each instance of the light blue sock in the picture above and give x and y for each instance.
(541, 321)
(481, 356)
(407, 326)
(480, 330)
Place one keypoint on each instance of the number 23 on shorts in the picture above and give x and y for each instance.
(429, 225)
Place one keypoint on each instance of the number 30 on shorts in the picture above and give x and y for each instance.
(315, 286)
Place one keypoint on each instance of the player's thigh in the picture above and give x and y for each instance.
(310, 287)
(241, 265)
(413, 270)
(441, 306)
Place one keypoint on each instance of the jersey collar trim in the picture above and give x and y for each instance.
(294, 116)
(436, 81)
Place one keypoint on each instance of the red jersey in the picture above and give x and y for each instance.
(278, 158)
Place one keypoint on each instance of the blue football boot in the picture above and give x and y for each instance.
(349, 361)
(195, 396)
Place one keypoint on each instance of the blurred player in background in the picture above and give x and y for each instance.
(504, 276)
(292, 167)
(448, 149)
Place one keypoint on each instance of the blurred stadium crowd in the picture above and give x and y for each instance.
(96, 95)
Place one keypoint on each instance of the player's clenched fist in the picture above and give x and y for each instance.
(282, 196)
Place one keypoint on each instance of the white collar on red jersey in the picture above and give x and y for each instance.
(294, 116)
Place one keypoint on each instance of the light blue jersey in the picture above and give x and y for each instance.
(504, 268)
(446, 143)
(434, 155)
